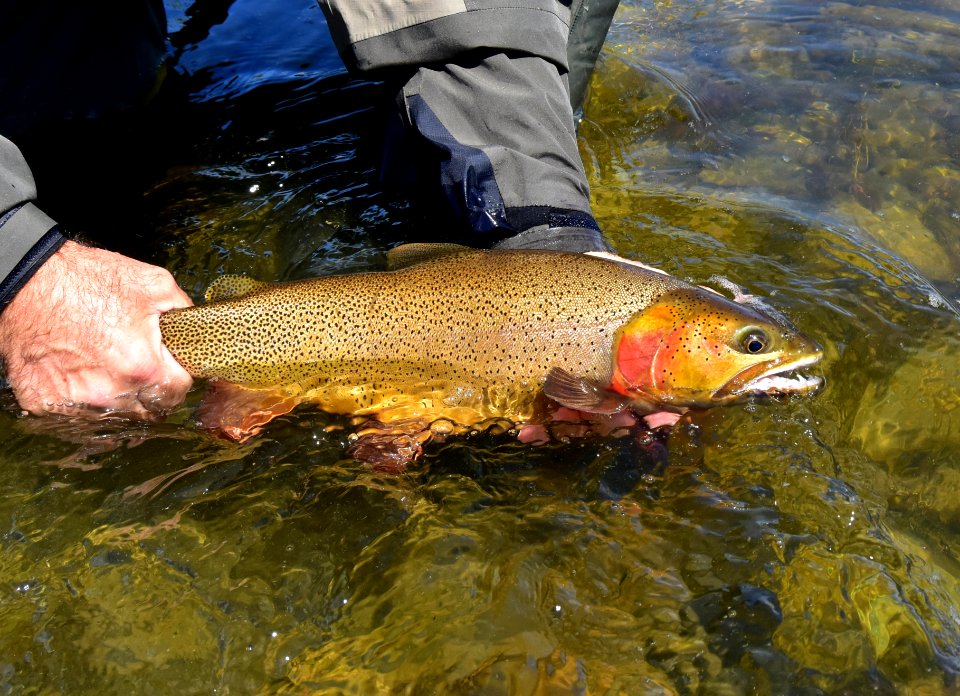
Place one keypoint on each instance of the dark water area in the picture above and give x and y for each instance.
(807, 151)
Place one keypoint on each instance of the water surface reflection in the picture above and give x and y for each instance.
(807, 151)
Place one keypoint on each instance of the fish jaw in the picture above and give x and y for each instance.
(695, 349)
(783, 378)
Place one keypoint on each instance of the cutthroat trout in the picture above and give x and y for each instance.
(463, 336)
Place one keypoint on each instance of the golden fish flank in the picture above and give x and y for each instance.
(468, 335)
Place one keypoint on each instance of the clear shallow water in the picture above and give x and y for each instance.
(808, 152)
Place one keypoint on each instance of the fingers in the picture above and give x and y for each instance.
(161, 397)
(96, 394)
(159, 285)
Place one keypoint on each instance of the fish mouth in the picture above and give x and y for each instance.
(777, 380)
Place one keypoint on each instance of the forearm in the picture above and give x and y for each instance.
(378, 34)
(484, 99)
(498, 133)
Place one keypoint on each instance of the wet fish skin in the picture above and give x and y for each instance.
(470, 335)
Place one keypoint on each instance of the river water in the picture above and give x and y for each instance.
(807, 151)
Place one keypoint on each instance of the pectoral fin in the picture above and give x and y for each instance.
(582, 394)
(236, 413)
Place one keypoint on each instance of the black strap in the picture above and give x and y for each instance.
(572, 239)
(21, 251)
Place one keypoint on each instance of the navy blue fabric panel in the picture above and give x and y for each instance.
(466, 173)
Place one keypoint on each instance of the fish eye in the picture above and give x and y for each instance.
(755, 342)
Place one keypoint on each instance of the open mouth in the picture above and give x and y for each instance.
(783, 379)
(776, 379)
(797, 383)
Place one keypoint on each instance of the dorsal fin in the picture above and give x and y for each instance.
(410, 254)
(229, 287)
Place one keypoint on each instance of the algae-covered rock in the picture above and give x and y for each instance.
(911, 424)
(845, 611)
(900, 229)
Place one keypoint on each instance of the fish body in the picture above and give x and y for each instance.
(468, 335)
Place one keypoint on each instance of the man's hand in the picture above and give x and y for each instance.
(83, 337)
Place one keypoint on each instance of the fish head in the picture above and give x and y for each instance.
(694, 348)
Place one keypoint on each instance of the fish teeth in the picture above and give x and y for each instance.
(781, 384)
